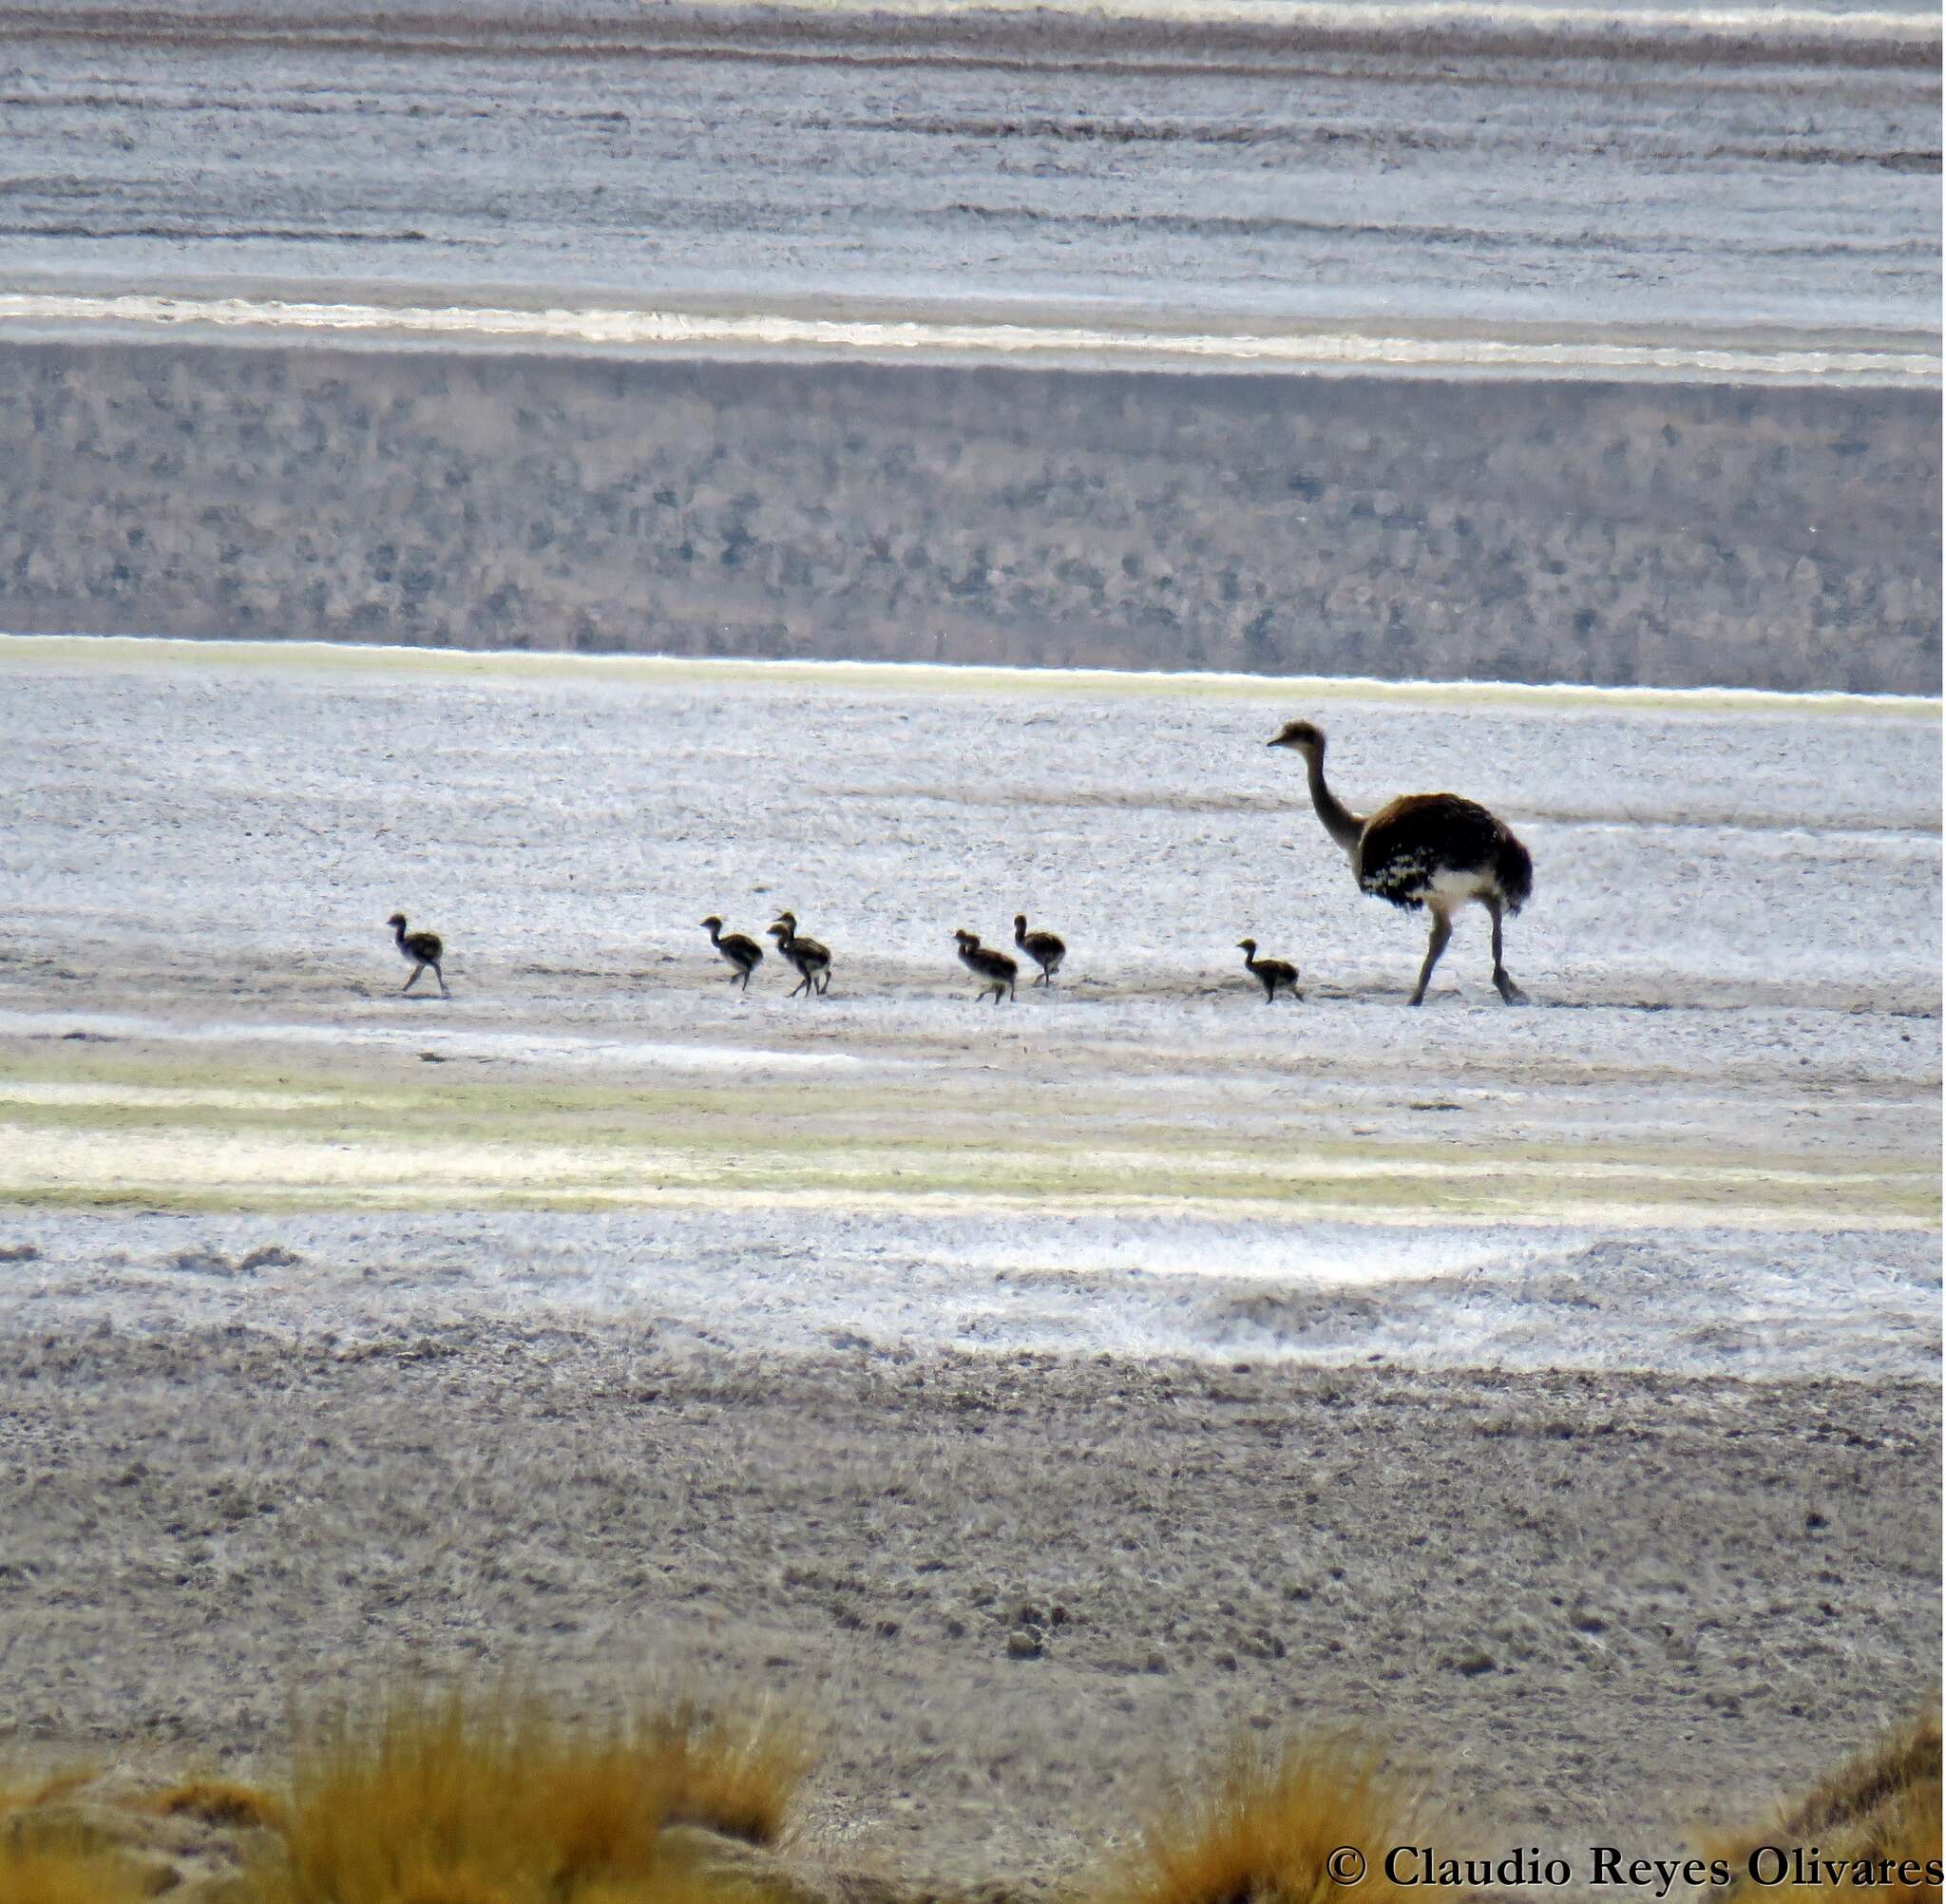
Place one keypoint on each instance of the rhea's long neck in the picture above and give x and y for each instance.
(1341, 824)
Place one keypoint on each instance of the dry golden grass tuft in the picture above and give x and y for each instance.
(48, 1857)
(77, 1873)
(450, 1799)
(22, 1791)
(217, 1802)
(735, 1775)
(1882, 1806)
(1264, 1830)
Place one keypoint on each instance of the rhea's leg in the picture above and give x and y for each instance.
(414, 979)
(441, 976)
(747, 971)
(1503, 981)
(1442, 930)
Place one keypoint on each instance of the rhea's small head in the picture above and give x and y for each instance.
(713, 924)
(789, 919)
(1248, 947)
(397, 920)
(1302, 734)
(1020, 922)
(966, 939)
(780, 932)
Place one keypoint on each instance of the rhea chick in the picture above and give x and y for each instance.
(746, 955)
(1042, 947)
(995, 968)
(1434, 850)
(421, 948)
(1274, 975)
(812, 961)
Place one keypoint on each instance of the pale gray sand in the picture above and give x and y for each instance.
(916, 1276)
(1587, 1609)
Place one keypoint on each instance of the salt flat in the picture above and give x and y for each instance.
(1720, 167)
(1551, 1393)
(1709, 1144)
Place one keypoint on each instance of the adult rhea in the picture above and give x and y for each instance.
(1434, 850)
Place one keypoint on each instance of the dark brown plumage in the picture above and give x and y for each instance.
(746, 955)
(422, 948)
(1409, 842)
(998, 971)
(1274, 975)
(1434, 850)
(1042, 947)
(812, 961)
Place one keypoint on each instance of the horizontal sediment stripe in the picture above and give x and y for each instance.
(1693, 358)
(25, 653)
(1172, 34)
(129, 1130)
(194, 1168)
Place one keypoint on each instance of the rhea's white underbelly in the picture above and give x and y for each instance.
(1449, 886)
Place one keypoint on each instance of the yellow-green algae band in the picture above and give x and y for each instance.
(65, 652)
(135, 1130)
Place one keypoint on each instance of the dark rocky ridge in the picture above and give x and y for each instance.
(1667, 535)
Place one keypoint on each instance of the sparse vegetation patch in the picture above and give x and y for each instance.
(1275, 1826)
